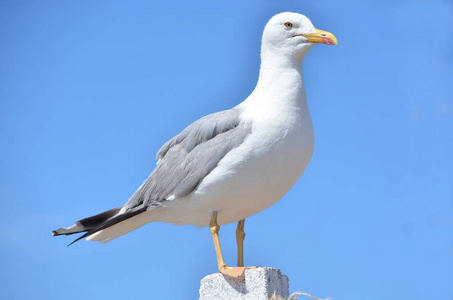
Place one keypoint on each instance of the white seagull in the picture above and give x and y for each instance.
(232, 164)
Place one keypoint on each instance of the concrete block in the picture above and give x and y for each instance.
(258, 284)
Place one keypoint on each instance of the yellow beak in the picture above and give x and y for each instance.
(321, 36)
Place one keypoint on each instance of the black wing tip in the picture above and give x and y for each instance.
(73, 242)
(106, 224)
(80, 237)
(57, 233)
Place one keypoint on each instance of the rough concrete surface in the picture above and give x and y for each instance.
(259, 284)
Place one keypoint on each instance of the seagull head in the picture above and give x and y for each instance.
(292, 35)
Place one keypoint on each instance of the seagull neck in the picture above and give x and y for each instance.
(281, 77)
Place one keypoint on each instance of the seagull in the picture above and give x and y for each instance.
(231, 164)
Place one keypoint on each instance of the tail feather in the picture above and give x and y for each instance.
(119, 229)
(112, 221)
(87, 223)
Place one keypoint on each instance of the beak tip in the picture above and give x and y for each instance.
(330, 41)
(322, 36)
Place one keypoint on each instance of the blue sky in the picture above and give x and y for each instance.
(89, 91)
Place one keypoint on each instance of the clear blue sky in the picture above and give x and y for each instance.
(90, 90)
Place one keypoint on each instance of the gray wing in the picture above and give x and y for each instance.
(188, 157)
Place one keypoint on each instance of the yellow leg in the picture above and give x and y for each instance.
(240, 236)
(223, 268)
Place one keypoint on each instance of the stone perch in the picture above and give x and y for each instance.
(259, 284)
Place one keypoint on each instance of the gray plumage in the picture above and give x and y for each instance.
(184, 161)
(188, 157)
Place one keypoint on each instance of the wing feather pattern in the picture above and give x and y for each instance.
(184, 161)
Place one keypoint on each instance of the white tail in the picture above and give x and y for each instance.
(119, 229)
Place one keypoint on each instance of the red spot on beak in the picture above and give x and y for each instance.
(328, 42)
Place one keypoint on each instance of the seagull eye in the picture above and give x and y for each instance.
(289, 25)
